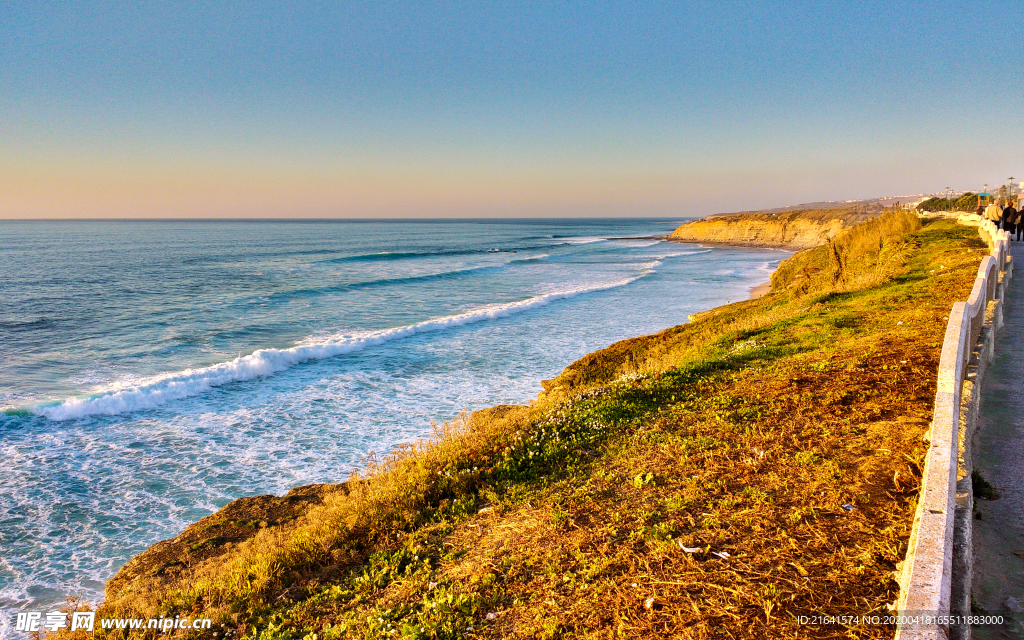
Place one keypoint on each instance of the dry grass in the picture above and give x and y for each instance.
(851, 215)
(744, 433)
(862, 256)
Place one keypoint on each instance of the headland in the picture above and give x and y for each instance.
(793, 229)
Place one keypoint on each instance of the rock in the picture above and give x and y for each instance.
(212, 536)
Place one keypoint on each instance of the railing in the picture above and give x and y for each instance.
(927, 570)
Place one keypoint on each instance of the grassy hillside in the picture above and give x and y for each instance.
(851, 215)
(717, 479)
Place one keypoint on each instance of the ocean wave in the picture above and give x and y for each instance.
(159, 390)
(678, 254)
(385, 282)
(635, 243)
(27, 325)
(535, 258)
(439, 275)
(250, 254)
(407, 255)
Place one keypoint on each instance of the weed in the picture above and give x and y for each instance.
(982, 488)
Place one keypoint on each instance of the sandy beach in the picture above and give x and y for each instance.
(760, 290)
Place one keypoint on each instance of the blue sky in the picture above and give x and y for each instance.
(487, 109)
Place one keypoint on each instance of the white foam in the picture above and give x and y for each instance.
(585, 240)
(638, 244)
(677, 254)
(153, 392)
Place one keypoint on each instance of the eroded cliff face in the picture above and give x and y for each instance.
(790, 230)
(168, 561)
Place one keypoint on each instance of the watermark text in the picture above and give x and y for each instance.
(29, 621)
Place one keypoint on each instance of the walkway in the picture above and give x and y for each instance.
(998, 585)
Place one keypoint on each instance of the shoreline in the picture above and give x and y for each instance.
(494, 491)
(760, 290)
(729, 243)
(284, 500)
(274, 510)
(756, 291)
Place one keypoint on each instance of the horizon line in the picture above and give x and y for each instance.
(366, 219)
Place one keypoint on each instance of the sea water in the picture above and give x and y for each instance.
(151, 372)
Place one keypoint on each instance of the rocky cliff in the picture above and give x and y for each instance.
(794, 230)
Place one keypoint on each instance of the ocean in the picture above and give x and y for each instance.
(153, 371)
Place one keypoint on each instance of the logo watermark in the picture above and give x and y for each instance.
(35, 621)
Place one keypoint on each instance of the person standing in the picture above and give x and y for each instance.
(994, 213)
(1010, 219)
(1018, 222)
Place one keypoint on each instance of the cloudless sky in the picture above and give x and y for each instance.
(402, 109)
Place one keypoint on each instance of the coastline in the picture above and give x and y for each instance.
(739, 270)
(168, 553)
(269, 509)
(757, 290)
(596, 431)
(737, 243)
(169, 557)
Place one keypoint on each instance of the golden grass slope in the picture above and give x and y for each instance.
(718, 479)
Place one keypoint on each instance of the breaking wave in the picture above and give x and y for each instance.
(159, 390)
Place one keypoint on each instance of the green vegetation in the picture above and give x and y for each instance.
(983, 488)
(717, 479)
(966, 202)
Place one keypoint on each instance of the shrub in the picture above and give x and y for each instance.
(966, 202)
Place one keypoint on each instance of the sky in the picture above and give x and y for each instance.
(484, 109)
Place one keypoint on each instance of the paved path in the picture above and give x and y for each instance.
(999, 572)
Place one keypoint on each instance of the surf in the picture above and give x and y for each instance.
(156, 391)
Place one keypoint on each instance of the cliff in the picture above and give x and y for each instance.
(800, 229)
(168, 561)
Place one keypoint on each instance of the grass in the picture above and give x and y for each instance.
(858, 257)
(718, 479)
(983, 488)
(851, 214)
